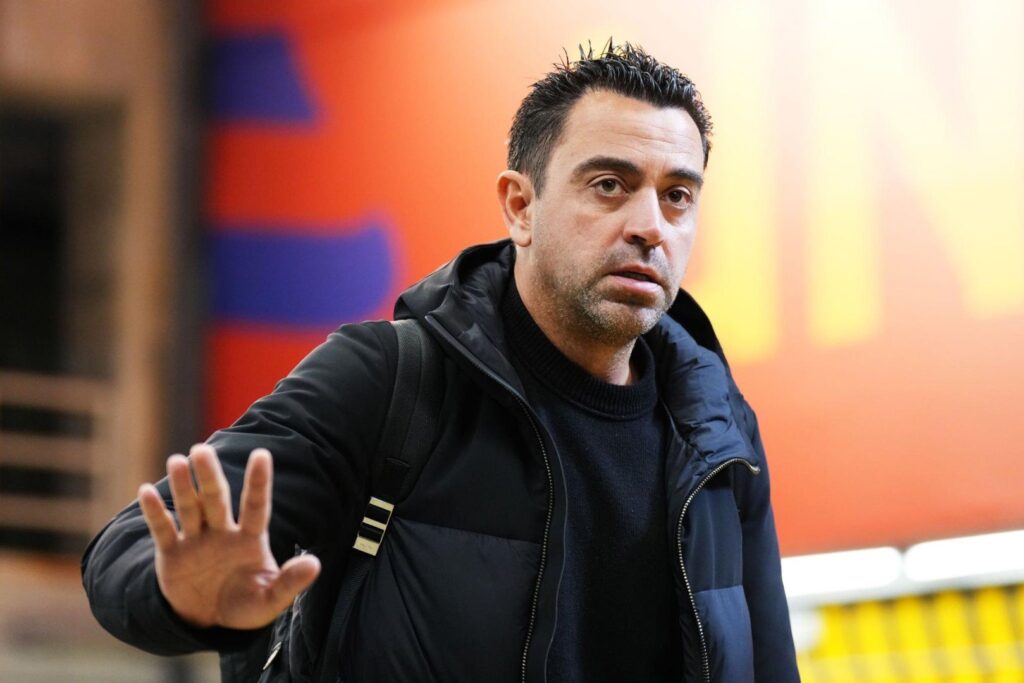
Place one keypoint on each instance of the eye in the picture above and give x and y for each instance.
(609, 186)
(680, 196)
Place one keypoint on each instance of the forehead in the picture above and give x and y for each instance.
(606, 123)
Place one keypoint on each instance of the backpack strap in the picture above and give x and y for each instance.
(408, 430)
(405, 445)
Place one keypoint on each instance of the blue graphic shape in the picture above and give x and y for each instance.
(254, 77)
(275, 276)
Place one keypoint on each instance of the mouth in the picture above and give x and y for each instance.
(639, 274)
(633, 275)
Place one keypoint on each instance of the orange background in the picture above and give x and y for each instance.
(862, 234)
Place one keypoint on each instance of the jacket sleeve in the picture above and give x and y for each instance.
(774, 654)
(321, 426)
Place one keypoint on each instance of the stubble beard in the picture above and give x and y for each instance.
(583, 309)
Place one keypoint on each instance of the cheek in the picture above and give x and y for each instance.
(679, 253)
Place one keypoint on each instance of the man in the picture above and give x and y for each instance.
(596, 506)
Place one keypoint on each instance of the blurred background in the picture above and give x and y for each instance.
(193, 194)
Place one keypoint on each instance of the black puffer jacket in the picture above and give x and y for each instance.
(465, 585)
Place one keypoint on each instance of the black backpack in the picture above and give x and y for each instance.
(302, 646)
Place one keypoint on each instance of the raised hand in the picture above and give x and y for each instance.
(214, 571)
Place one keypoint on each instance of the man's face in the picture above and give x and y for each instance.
(612, 232)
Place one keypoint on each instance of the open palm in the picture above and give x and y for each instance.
(215, 571)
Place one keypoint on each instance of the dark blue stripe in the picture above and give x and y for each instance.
(254, 77)
(267, 275)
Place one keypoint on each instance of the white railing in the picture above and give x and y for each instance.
(83, 456)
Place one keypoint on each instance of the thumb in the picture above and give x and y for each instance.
(295, 576)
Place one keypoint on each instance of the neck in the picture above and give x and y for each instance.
(607, 362)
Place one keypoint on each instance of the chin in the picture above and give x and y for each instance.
(625, 323)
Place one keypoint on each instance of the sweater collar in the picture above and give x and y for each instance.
(553, 369)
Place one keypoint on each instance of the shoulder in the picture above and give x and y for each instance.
(354, 355)
(331, 403)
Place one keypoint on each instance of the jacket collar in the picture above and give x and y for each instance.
(461, 302)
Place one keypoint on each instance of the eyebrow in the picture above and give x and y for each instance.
(625, 167)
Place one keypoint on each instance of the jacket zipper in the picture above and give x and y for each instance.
(544, 544)
(551, 482)
(705, 660)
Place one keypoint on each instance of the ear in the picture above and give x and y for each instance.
(515, 194)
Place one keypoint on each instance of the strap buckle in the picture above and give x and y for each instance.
(375, 523)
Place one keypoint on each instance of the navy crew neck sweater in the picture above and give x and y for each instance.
(617, 613)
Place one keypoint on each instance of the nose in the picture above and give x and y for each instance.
(644, 224)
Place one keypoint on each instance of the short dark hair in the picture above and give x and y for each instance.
(624, 69)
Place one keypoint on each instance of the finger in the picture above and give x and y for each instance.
(158, 519)
(214, 493)
(296, 576)
(254, 510)
(186, 504)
